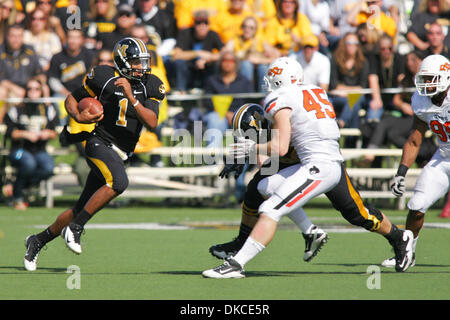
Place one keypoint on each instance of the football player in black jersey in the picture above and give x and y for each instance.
(130, 96)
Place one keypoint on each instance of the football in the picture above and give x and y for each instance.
(93, 105)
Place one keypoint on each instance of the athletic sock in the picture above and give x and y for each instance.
(244, 232)
(82, 218)
(414, 243)
(394, 235)
(301, 220)
(248, 251)
(46, 236)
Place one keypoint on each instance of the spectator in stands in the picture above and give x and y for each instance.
(162, 23)
(168, 6)
(368, 38)
(9, 15)
(139, 31)
(436, 41)
(370, 11)
(68, 67)
(227, 80)
(428, 12)
(103, 57)
(44, 41)
(185, 11)
(287, 29)
(72, 14)
(18, 64)
(339, 26)
(30, 126)
(263, 10)
(56, 24)
(254, 52)
(316, 66)
(318, 13)
(148, 13)
(228, 23)
(126, 20)
(349, 71)
(396, 123)
(101, 22)
(386, 70)
(195, 53)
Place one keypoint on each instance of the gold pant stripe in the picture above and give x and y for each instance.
(357, 198)
(104, 171)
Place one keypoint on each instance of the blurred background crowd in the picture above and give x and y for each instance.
(364, 53)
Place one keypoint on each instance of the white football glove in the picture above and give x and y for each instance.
(398, 186)
(242, 148)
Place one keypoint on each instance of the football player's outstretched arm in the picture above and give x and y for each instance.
(412, 145)
(409, 155)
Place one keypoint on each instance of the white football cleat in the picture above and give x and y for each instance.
(314, 241)
(390, 263)
(71, 235)
(403, 249)
(229, 269)
(33, 248)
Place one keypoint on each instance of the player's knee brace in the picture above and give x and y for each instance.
(372, 222)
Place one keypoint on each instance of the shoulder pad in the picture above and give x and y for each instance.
(275, 101)
(155, 88)
(421, 105)
(101, 73)
(97, 77)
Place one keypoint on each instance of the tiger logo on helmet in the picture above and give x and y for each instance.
(249, 122)
(128, 51)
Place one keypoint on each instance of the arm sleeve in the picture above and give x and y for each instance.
(152, 105)
(156, 92)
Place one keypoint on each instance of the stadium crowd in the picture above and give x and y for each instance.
(222, 47)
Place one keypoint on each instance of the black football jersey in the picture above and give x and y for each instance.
(120, 124)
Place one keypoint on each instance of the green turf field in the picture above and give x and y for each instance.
(166, 264)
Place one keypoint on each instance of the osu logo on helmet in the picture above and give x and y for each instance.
(275, 71)
(445, 67)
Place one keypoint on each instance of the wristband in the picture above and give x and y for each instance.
(402, 169)
(136, 103)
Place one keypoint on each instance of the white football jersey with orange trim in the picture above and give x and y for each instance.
(315, 133)
(437, 118)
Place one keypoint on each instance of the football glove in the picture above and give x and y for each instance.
(398, 186)
(242, 148)
(229, 168)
